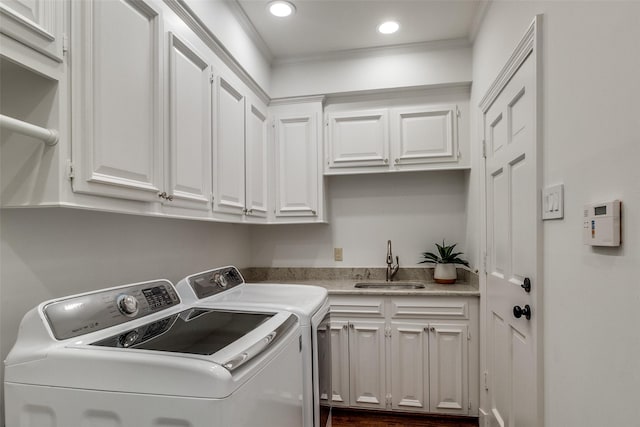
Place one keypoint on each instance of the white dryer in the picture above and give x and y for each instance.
(137, 356)
(225, 287)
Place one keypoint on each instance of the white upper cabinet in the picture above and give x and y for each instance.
(398, 134)
(358, 138)
(228, 149)
(298, 180)
(424, 135)
(117, 99)
(256, 155)
(240, 153)
(37, 24)
(189, 127)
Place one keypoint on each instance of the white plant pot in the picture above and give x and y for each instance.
(445, 274)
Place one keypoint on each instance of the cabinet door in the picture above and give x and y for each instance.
(256, 159)
(358, 138)
(189, 134)
(410, 366)
(35, 23)
(228, 156)
(448, 368)
(296, 165)
(367, 364)
(117, 99)
(340, 362)
(425, 134)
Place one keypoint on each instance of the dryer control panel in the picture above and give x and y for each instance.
(86, 313)
(215, 281)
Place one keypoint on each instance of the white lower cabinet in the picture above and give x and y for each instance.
(448, 368)
(340, 362)
(410, 366)
(367, 364)
(413, 354)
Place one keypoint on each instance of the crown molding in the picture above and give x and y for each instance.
(459, 43)
(399, 92)
(478, 18)
(242, 17)
(297, 100)
(200, 28)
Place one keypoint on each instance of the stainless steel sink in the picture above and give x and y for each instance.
(389, 285)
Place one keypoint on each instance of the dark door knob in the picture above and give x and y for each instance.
(526, 285)
(519, 311)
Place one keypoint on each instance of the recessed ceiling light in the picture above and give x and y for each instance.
(388, 27)
(281, 9)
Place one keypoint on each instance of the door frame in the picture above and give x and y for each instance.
(529, 46)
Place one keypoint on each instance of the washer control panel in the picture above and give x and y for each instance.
(82, 314)
(215, 281)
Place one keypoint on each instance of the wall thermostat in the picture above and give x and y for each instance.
(602, 224)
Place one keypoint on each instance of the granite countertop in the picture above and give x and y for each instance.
(341, 281)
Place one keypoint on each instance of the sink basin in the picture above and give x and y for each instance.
(389, 285)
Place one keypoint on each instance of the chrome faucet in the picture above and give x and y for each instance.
(391, 269)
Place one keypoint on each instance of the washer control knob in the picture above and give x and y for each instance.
(129, 339)
(220, 280)
(128, 305)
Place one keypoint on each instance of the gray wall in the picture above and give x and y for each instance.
(591, 143)
(54, 252)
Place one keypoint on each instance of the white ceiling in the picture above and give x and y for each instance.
(325, 26)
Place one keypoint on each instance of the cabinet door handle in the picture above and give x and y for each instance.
(345, 326)
(397, 161)
(386, 161)
(165, 196)
(426, 329)
(351, 325)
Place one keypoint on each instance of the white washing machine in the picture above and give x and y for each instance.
(225, 287)
(137, 356)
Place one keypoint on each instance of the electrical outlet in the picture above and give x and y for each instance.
(337, 254)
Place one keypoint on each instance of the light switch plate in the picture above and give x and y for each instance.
(553, 202)
(337, 254)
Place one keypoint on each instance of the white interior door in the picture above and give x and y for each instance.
(512, 243)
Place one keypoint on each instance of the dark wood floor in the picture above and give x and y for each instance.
(353, 418)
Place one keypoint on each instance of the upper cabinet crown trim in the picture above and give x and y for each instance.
(199, 27)
(297, 100)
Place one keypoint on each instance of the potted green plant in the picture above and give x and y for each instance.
(445, 262)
